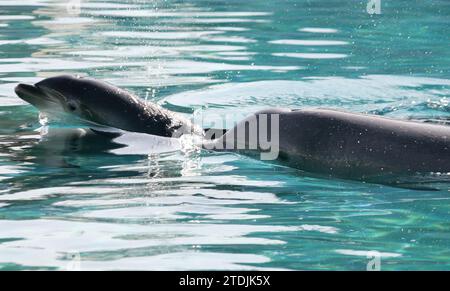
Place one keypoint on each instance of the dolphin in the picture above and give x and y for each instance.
(330, 142)
(349, 145)
(100, 105)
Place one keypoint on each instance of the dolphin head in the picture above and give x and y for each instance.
(90, 101)
(97, 103)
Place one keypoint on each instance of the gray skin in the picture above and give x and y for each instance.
(319, 141)
(101, 104)
(356, 146)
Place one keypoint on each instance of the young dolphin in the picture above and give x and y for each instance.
(101, 104)
(315, 140)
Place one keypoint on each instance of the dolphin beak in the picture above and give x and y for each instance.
(29, 93)
(33, 95)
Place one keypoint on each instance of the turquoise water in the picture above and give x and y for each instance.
(69, 202)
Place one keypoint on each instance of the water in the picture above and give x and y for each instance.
(71, 202)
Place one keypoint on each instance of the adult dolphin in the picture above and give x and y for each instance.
(315, 140)
(349, 145)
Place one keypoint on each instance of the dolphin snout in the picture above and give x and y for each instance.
(34, 95)
(27, 92)
(23, 88)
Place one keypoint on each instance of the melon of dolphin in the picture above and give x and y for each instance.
(315, 140)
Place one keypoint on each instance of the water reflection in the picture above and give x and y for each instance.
(153, 246)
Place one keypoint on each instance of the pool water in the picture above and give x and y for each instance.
(71, 202)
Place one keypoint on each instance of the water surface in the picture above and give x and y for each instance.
(68, 202)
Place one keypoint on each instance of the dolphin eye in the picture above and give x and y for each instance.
(71, 106)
